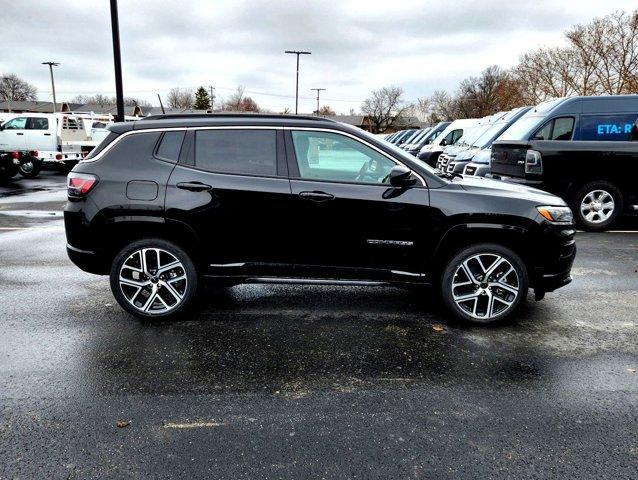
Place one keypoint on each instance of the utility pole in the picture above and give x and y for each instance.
(212, 98)
(297, 52)
(318, 90)
(117, 60)
(51, 65)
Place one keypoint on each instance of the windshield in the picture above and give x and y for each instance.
(488, 134)
(421, 134)
(522, 128)
(470, 135)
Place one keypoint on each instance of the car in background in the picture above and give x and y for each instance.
(584, 149)
(406, 138)
(400, 135)
(429, 137)
(494, 127)
(453, 132)
(416, 138)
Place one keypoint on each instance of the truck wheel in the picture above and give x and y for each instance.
(31, 168)
(154, 279)
(484, 283)
(597, 205)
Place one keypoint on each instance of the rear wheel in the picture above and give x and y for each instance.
(597, 205)
(484, 283)
(154, 278)
(31, 168)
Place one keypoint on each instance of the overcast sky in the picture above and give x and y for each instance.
(357, 46)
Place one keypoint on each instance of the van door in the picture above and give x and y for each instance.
(12, 136)
(39, 134)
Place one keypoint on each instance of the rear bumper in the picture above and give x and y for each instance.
(88, 260)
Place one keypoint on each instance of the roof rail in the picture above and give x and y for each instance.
(177, 116)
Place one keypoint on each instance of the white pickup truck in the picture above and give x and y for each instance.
(56, 138)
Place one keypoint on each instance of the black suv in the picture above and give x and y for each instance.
(166, 202)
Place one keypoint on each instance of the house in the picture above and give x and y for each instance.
(365, 122)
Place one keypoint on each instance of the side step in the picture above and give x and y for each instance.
(314, 281)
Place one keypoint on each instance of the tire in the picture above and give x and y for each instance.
(31, 169)
(148, 292)
(479, 300)
(589, 202)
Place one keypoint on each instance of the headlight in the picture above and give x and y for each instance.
(556, 214)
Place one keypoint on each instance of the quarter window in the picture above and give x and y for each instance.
(248, 152)
(19, 123)
(170, 146)
(556, 129)
(337, 158)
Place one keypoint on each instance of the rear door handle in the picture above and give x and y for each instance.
(317, 196)
(19, 133)
(194, 186)
(47, 134)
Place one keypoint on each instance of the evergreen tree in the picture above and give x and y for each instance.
(202, 99)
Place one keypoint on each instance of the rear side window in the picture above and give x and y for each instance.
(611, 128)
(556, 129)
(170, 146)
(248, 152)
(102, 145)
(37, 123)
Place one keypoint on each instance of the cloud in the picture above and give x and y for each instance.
(356, 45)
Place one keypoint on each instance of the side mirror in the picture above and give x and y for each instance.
(401, 176)
(443, 142)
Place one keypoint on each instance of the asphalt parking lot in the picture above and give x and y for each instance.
(305, 381)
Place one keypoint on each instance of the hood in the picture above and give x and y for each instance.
(487, 186)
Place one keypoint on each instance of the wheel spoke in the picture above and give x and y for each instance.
(497, 263)
(468, 272)
(172, 291)
(134, 283)
(171, 265)
(463, 298)
(150, 301)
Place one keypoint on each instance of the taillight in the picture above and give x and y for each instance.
(33, 153)
(58, 156)
(15, 154)
(533, 162)
(79, 184)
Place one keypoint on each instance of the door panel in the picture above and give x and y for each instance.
(12, 137)
(39, 134)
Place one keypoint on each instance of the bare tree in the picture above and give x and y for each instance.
(384, 107)
(180, 98)
(106, 101)
(325, 111)
(237, 102)
(14, 88)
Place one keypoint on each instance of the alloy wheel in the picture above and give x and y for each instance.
(597, 206)
(153, 280)
(485, 286)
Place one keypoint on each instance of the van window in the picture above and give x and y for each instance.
(170, 146)
(38, 123)
(19, 123)
(557, 129)
(249, 152)
(616, 128)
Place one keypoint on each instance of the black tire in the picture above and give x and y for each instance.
(31, 168)
(491, 288)
(122, 293)
(587, 191)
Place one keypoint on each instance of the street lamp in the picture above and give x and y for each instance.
(297, 52)
(117, 60)
(318, 90)
(51, 65)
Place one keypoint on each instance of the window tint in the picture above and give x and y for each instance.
(170, 146)
(609, 127)
(19, 123)
(556, 129)
(38, 124)
(333, 157)
(251, 152)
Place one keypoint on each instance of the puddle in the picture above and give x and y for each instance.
(31, 213)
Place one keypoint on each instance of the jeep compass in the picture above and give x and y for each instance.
(165, 203)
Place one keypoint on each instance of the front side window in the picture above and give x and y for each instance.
(36, 123)
(556, 129)
(611, 128)
(18, 123)
(336, 158)
(248, 152)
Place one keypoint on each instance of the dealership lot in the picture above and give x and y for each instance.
(271, 381)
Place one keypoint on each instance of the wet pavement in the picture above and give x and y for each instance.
(298, 382)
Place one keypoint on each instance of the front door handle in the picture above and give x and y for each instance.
(47, 134)
(19, 133)
(194, 186)
(317, 196)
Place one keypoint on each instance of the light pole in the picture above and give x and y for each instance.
(51, 65)
(117, 60)
(318, 90)
(212, 99)
(297, 52)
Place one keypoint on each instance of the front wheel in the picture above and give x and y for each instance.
(154, 278)
(597, 205)
(31, 168)
(484, 283)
